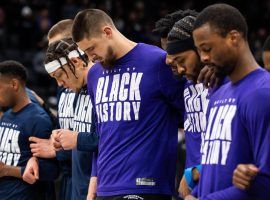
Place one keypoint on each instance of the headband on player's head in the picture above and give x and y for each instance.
(55, 64)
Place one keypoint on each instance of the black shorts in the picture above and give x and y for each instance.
(136, 197)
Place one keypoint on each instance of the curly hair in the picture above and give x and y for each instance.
(13, 69)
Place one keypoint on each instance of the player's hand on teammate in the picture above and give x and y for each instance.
(243, 175)
(183, 188)
(68, 139)
(31, 172)
(42, 148)
(208, 77)
(55, 139)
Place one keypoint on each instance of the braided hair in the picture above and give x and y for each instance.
(61, 49)
(164, 25)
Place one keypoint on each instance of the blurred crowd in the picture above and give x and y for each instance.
(24, 25)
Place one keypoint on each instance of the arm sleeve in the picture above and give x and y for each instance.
(171, 88)
(194, 192)
(256, 117)
(88, 141)
(63, 155)
(42, 127)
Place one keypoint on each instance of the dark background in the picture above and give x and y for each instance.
(24, 25)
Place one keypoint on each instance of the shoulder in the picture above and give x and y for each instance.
(35, 113)
(255, 104)
(6, 114)
(257, 97)
(94, 72)
(151, 51)
(97, 67)
(256, 87)
(32, 96)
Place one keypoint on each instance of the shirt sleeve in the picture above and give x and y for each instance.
(42, 128)
(63, 155)
(94, 165)
(88, 141)
(194, 192)
(231, 193)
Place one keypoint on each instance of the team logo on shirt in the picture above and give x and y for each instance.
(83, 114)
(195, 106)
(65, 110)
(218, 136)
(122, 100)
(9, 147)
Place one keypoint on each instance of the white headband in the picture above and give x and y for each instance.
(54, 65)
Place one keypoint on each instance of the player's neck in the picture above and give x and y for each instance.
(246, 64)
(123, 45)
(21, 101)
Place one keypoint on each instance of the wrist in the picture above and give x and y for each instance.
(34, 159)
(195, 174)
(12, 171)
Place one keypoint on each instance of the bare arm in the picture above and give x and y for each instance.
(6, 170)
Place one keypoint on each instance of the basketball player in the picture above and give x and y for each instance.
(43, 148)
(138, 104)
(69, 66)
(22, 120)
(238, 113)
(182, 54)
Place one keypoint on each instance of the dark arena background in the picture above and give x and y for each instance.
(24, 25)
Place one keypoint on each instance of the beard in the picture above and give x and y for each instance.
(110, 59)
(222, 71)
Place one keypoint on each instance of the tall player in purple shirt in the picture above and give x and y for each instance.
(238, 129)
(182, 54)
(138, 104)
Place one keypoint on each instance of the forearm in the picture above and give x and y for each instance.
(12, 171)
(92, 189)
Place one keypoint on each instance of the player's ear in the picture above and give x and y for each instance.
(15, 84)
(76, 62)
